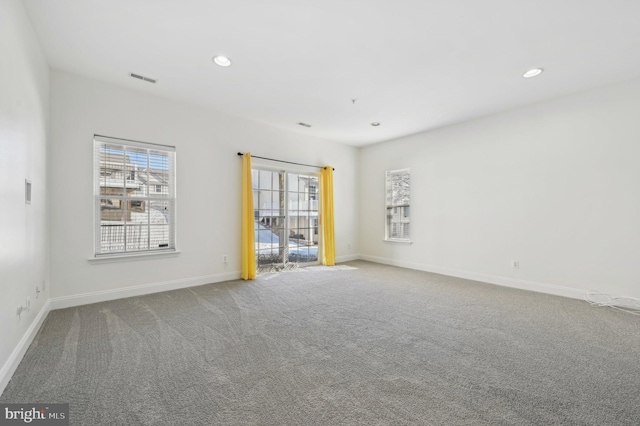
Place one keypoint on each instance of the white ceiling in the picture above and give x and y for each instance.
(411, 65)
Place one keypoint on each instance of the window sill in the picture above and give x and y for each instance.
(109, 258)
(389, 240)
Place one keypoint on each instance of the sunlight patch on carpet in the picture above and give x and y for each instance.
(322, 268)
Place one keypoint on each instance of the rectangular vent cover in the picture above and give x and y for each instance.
(143, 78)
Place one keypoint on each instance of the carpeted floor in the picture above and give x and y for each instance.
(368, 345)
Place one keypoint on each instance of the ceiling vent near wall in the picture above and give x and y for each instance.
(143, 78)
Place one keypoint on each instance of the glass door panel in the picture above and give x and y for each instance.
(303, 214)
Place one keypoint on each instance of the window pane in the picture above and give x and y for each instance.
(158, 236)
(278, 181)
(292, 181)
(313, 191)
(159, 173)
(112, 210)
(261, 200)
(111, 237)
(137, 235)
(112, 169)
(159, 160)
(299, 253)
(264, 181)
(293, 201)
(398, 189)
(136, 178)
(293, 222)
(275, 200)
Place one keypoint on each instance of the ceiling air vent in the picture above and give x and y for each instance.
(143, 78)
(304, 124)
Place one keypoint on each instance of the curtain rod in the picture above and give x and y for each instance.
(240, 154)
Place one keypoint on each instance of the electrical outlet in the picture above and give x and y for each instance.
(224, 258)
(515, 264)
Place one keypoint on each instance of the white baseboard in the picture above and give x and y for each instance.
(347, 258)
(9, 367)
(138, 290)
(574, 293)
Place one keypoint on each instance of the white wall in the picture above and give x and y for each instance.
(553, 185)
(24, 110)
(208, 190)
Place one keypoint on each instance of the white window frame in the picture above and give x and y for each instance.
(392, 206)
(147, 197)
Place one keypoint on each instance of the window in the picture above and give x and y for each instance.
(398, 185)
(131, 216)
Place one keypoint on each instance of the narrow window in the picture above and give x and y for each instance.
(398, 191)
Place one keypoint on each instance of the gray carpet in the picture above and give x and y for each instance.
(376, 345)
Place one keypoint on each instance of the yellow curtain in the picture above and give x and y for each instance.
(326, 202)
(248, 257)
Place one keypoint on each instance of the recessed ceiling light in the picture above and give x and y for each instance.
(533, 72)
(375, 124)
(223, 61)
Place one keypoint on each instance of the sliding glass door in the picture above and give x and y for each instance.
(286, 219)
